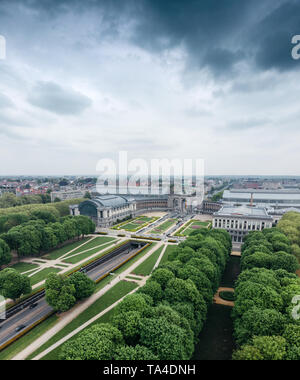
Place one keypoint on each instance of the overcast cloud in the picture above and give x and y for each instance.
(211, 79)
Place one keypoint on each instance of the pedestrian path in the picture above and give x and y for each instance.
(220, 301)
(67, 317)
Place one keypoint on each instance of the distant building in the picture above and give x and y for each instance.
(263, 198)
(67, 194)
(209, 207)
(240, 220)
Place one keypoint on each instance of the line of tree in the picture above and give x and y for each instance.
(163, 319)
(11, 200)
(62, 207)
(269, 249)
(39, 236)
(264, 326)
(289, 224)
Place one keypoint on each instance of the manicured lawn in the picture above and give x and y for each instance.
(61, 251)
(93, 243)
(146, 267)
(168, 250)
(197, 224)
(163, 227)
(41, 275)
(20, 344)
(82, 256)
(24, 267)
(135, 224)
(110, 297)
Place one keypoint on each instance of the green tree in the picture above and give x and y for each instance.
(129, 325)
(5, 255)
(133, 302)
(263, 348)
(87, 195)
(162, 276)
(153, 289)
(164, 339)
(99, 342)
(134, 353)
(60, 292)
(13, 284)
(84, 286)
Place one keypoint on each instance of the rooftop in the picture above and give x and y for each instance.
(262, 195)
(254, 212)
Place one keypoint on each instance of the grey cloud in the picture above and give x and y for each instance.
(5, 101)
(245, 124)
(51, 97)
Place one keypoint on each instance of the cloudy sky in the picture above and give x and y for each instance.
(211, 79)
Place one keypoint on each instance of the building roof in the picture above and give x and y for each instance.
(263, 195)
(243, 211)
(111, 200)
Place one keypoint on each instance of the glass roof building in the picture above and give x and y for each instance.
(263, 198)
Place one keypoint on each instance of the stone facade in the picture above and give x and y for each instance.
(239, 221)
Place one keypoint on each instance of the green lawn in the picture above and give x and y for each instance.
(168, 250)
(146, 267)
(92, 244)
(110, 297)
(61, 251)
(163, 227)
(187, 228)
(41, 275)
(24, 267)
(135, 224)
(20, 344)
(82, 256)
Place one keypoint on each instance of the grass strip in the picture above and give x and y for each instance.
(110, 297)
(61, 251)
(41, 275)
(92, 244)
(169, 249)
(82, 256)
(145, 268)
(24, 267)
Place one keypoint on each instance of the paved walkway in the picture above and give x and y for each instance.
(218, 300)
(67, 317)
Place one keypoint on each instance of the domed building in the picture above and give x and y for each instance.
(105, 210)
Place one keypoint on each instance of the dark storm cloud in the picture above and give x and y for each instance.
(273, 35)
(216, 34)
(51, 97)
(219, 34)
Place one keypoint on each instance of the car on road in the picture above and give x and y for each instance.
(33, 305)
(20, 327)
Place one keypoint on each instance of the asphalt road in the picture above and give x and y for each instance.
(28, 317)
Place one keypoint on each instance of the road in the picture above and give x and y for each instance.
(28, 317)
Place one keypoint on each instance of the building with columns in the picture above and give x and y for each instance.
(106, 210)
(240, 220)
